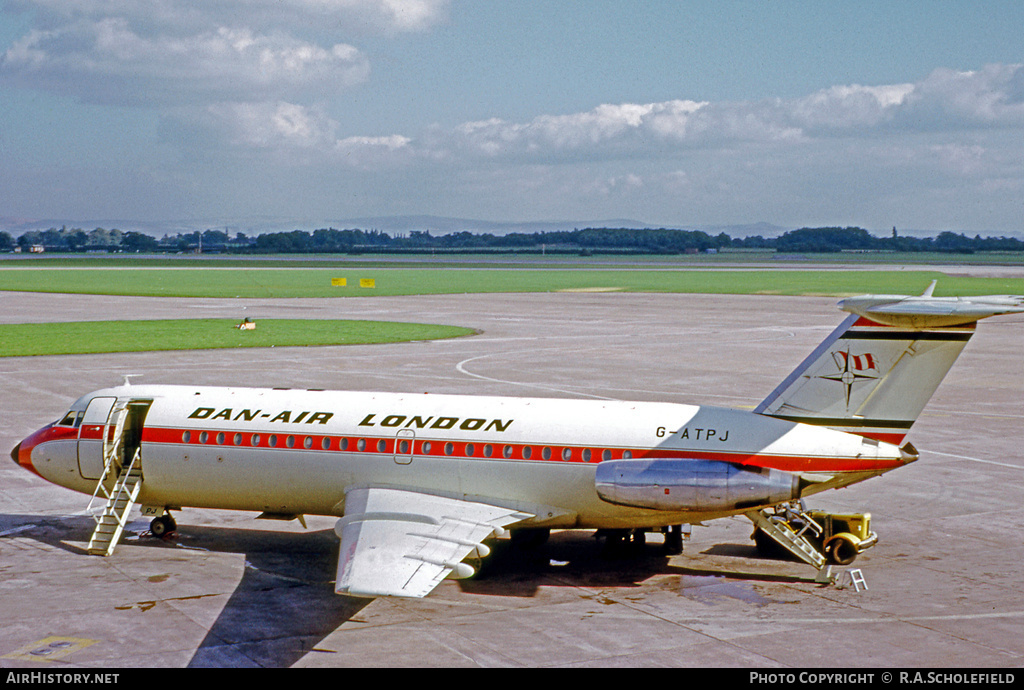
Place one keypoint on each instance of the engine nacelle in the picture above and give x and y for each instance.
(671, 484)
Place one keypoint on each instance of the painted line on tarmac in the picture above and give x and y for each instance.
(891, 618)
(15, 530)
(967, 457)
(460, 367)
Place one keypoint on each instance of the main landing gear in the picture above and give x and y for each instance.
(623, 542)
(162, 526)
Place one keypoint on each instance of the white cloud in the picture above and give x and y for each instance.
(245, 73)
(992, 96)
(846, 107)
(108, 62)
(286, 15)
(274, 125)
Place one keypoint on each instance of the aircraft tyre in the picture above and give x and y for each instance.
(162, 526)
(841, 551)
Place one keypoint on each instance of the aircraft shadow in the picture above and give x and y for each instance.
(282, 608)
(285, 603)
(577, 559)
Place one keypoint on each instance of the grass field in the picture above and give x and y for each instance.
(286, 278)
(256, 282)
(513, 260)
(87, 337)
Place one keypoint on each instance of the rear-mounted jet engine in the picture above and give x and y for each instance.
(671, 484)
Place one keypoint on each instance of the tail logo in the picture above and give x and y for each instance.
(849, 371)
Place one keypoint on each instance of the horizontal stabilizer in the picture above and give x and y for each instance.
(927, 311)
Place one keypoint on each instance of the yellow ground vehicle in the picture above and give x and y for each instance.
(839, 537)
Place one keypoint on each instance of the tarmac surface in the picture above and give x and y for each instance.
(943, 583)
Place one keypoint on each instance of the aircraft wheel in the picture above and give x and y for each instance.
(162, 526)
(841, 551)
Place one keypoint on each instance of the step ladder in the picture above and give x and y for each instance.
(857, 579)
(779, 530)
(111, 521)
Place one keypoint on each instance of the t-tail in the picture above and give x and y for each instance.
(875, 373)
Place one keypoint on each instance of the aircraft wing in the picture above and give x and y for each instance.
(396, 542)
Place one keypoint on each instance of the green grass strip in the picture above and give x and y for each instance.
(87, 337)
(269, 283)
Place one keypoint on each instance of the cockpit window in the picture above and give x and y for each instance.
(72, 418)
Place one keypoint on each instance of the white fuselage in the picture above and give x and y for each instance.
(294, 452)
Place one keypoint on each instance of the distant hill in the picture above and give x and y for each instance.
(436, 225)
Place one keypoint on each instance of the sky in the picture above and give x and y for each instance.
(675, 113)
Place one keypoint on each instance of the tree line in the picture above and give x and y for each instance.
(578, 241)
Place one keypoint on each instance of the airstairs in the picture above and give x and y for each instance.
(120, 497)
(778, 528)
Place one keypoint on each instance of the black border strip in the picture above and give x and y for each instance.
(905, 335)
(849, 422)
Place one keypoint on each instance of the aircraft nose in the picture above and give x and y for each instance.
(14, 454)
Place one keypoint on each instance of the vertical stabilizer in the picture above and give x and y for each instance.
(869, 378)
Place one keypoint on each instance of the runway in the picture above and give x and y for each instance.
(943, 582)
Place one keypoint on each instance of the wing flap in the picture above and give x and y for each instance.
(396, 542)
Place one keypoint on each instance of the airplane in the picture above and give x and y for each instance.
(422, 483)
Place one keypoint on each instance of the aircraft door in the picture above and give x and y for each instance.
(405, 441)
(90, 436)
